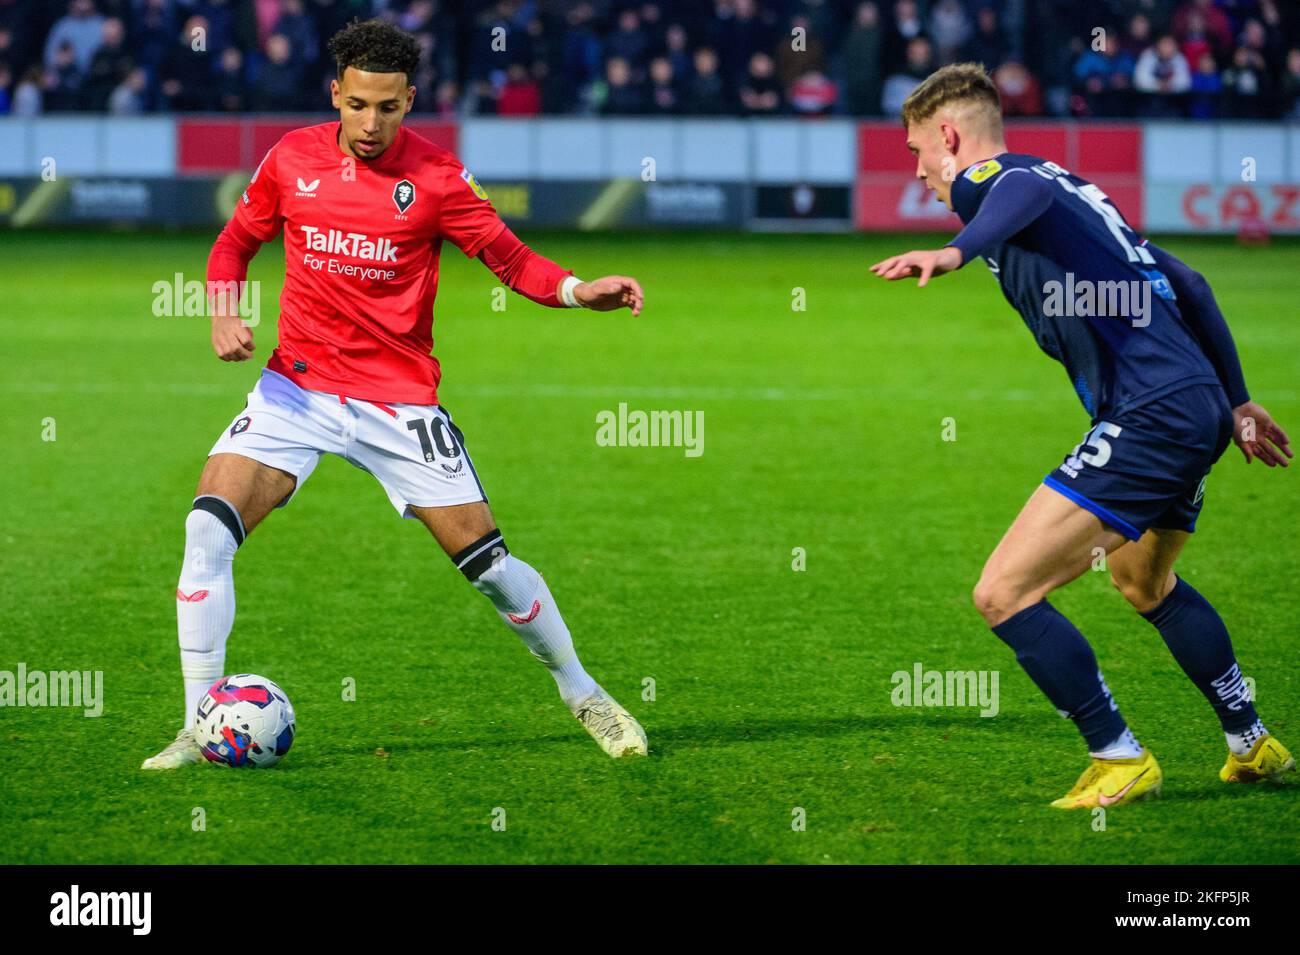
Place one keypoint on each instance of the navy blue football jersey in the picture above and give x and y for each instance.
(1087, 288)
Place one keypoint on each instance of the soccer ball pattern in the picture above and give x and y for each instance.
(244, 720)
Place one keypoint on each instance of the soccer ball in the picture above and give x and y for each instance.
(244, 720)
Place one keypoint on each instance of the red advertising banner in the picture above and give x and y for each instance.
(888, 196)
(217, 144)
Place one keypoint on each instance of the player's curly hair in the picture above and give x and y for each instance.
(376, 47)
(958, 82)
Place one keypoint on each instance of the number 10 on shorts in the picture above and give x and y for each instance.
(434, 434)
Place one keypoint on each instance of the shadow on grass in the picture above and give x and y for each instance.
(667, 739)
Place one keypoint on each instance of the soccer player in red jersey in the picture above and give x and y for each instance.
(364, 205)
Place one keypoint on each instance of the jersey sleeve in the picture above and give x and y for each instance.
(465, 215)
(974, 183)
(258, 209)
(1000, 217)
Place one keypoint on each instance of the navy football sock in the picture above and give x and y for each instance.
(1059, 660)
(1196, 636)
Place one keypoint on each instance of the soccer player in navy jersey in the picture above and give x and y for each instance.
(365, 206)
(1153, 362)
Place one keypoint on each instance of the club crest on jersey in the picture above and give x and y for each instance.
(473, 184)
(404, 195)
(240, 426)
(983, 171)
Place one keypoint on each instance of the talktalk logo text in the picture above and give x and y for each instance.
(354, 244)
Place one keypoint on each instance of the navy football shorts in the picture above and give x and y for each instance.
(1147, 467)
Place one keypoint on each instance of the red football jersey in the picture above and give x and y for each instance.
(361, 244)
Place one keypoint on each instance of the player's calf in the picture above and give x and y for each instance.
(525, 604)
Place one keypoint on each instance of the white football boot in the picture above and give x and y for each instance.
(182, 751)
(614, 728)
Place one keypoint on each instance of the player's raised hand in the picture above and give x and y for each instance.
(922, 263)
(611, 292)
(232, 340)
(1259, 436)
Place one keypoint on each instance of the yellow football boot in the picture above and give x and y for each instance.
(1113, 782)
(1267, 759)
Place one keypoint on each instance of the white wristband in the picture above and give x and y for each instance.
(566, 291)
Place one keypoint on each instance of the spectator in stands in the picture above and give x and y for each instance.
(1021, 95)
(624, 96)
(1104, 78)
(799, 53)
(1268, 44)
(706, 94)
(1194, 42)
(950, 29)
(295, 26)
(1137, 37)
(447, 96)
(905, 27)
(6, 48)
(581, 53)
(812, 94)
(1245, 84)
(109, 66)
(664, 96)
(6, 80)
(1163, 74)
(862, 62)
(738, 31)
(153, 35)
(28, 96)
(1215, 23)
(220, 17)
(520, 95)
(628, 42)
(63, 83)
(279, 82)
(1207, 88)
(987, 45)
(232, 91)
(186, 71)
(82, 29)
(920, 64)
(128, 97)
(678, 53)
(1291, 85)
(760, 93)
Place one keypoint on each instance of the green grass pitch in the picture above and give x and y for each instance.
(823, 431)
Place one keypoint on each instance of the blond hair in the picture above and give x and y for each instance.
(963, 84)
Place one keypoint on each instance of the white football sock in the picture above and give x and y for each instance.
(525, 603)
(1125, 746)
(1242, 743)
(205, 603)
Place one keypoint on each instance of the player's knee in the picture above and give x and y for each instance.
(994, 599)
(1143, 591)
(213, 532)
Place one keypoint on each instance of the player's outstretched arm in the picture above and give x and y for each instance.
(538, 278)
(235, 247)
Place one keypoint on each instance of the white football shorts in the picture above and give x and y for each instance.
(415, 451)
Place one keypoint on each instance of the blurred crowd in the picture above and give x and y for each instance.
(1105, 58)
